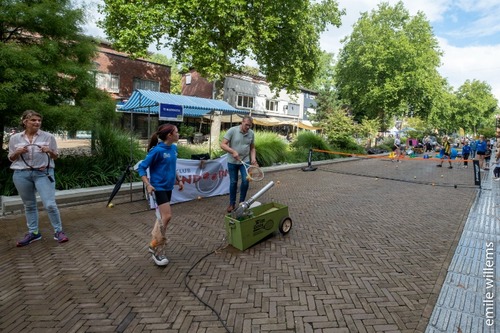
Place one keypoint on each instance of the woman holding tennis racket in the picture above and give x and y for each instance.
(162, 163)
(32, 153)
(239, 142)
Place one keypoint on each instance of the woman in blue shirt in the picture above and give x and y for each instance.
(161, 161)
(481, 150)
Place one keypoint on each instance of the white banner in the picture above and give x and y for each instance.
(201, 179)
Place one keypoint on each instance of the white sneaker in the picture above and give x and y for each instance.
(160, 259)
(497, 179)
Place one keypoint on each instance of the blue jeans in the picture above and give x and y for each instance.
(29, 182)
(233, 170)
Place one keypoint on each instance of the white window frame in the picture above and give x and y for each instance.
(108, 82)
(272, 105)
(245, 101)
(144, 84)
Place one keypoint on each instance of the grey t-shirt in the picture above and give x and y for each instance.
(239, 142)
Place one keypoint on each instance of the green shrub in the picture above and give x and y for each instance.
(346, 144)
(117, 147)
(270, 148)
(308, 140)
(116, 150)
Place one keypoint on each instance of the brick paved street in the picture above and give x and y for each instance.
(364, 255)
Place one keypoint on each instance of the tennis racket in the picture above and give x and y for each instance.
(36, 159)
(253, 172)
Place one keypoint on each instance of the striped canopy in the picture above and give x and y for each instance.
(147, 101)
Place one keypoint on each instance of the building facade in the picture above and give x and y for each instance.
(253, 93)
(119, 75)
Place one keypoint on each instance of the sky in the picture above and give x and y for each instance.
(468, 32)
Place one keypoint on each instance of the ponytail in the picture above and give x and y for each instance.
(153, 141)
(161, 134)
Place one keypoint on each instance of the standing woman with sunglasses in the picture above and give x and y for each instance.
(32, 153)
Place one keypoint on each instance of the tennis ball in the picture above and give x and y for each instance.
(442, 176)
(199, 198)
(111, 205)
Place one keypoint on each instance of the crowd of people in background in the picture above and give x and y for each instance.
(448, 148)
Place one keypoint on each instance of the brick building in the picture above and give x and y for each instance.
(119, 74)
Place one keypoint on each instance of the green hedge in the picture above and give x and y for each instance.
(115, 150)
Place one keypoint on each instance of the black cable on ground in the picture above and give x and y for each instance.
(198, 297)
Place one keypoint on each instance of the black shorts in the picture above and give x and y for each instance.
(481, 153)
(163, 197)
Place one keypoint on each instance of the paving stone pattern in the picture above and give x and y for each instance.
(364, 255)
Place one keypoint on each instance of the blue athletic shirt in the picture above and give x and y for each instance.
(161, 161)
(481, 146)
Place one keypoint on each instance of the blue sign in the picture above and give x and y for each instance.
(171, 112)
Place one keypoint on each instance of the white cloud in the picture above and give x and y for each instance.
(478, 62)
(471, 63)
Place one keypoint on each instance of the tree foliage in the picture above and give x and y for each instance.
(175, 75)
(327, 102)
(325, 81)
(338, 125)
(443, 112)
(45, 64)
(216, 36)
(475, 104)
(388, 65)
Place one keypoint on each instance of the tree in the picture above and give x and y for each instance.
(338, 126)
(388, 65)
(216, 37)
(175, 75)
(475, 105)
(45, 64)
(327, 103)
(325, 81)
(443, 112)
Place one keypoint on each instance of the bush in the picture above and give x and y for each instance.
(116, 150)
(305, 141)
(117, 147)
(270, 148)
(346, 144)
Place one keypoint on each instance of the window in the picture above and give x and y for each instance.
(271, 105)
(146, 84)
(108, 82)
(245, 102)
(291, 109)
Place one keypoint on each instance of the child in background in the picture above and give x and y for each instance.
(487, 157)
(466, 153)
(496, 171)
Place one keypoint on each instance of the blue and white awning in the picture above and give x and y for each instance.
(147, 101)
